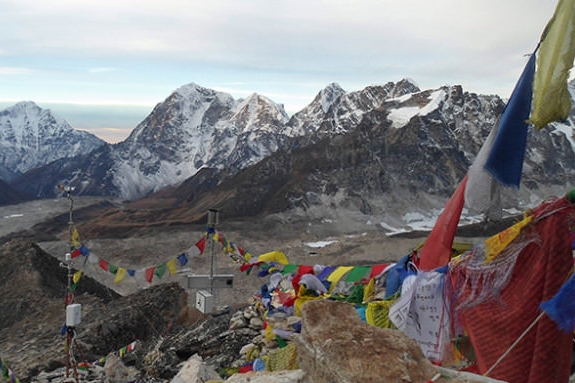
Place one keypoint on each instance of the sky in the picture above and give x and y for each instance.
(103, 65)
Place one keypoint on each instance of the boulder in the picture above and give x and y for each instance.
(336, 346)
(196, 371)
(286, 376)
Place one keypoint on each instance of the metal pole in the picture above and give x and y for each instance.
(213, 218)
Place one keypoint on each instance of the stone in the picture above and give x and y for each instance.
(336, 346)
(256, 323)
(196, 371)
(287, 376)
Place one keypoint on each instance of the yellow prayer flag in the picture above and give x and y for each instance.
(495, 244)
(75, 238)
(76, 277)
(337, 274)
(120, 275)
(551, 100)
(274, 256)
(171, 265)
(368, 290)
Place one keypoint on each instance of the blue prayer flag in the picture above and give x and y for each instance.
(561, 308)
(505, 162)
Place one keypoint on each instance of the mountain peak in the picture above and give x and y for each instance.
(31, 136)
(328, 95)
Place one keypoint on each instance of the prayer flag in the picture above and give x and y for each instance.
(357, 273)
(482, 192)
(505, 161)
(76, 277)
(171, 265)
(561, 308)
(76, 253)
(160, 270)
(274, 256)
(104, 264)
(289, 268)
(551, 100)
(112, 268)
(150, 274)
(183, 259)
(436, 251)
(75, 238)
(201, 244)
(337, 275)
(120, 275)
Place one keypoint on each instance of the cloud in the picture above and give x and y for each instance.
(135, 51)
(102, 69)
(10, 71)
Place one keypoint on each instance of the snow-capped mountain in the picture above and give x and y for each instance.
(31, 137)
(382, 149)
(193, 128)
(396, 167)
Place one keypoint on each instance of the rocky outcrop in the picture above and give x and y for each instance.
(336, 346)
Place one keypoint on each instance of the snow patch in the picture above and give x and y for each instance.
(319, 244)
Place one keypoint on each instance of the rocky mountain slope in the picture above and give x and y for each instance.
(386, 171)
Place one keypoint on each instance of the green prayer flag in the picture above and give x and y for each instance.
(357, 273)
(160, 270)
(289, 268)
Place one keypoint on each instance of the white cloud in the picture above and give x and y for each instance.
(141, 50)
(9, 71)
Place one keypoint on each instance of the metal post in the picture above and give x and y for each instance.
(213, 220)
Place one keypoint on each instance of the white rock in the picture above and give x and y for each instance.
(286, 376)
(195, 371)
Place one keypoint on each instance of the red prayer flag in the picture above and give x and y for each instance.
(376, 270)
(201, 244)
(436, 251)
(103, 264)
(150, 274)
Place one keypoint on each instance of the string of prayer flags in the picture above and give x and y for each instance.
(120, 352)
(235, 252)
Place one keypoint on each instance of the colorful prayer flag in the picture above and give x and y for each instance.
(76, 277)
(505, 161)
(120, 275)
(183, 259)
(171, 265)
(150, 274)
(551, 100)
(104, 264)
(75, 238)
(436, 251)
(160, 270)
(561, 308)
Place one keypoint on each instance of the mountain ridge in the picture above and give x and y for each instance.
(386, 148)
